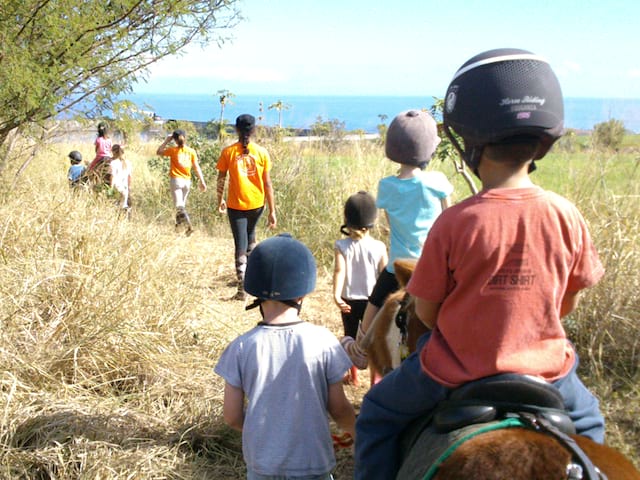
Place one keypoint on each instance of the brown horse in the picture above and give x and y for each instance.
(513, 453)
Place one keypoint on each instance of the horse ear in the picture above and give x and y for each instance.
(404, 267)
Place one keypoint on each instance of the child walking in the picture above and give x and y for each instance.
(290, 372)
(411, 200)
(499, 270)
(121, 175)
(359, 259)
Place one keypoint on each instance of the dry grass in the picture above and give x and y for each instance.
(110, 328)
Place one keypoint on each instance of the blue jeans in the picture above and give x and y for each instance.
(407, 394)
(243, 227)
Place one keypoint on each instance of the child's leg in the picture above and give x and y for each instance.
(582, 405)
(387, 410)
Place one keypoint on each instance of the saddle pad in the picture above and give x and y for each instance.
(422, 448)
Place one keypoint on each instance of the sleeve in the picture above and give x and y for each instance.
(337, 360)
(382, 197)
(440, 184)
(228, 366)
(587, 269)
(222, 165)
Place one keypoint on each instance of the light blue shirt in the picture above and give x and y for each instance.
(412, 205)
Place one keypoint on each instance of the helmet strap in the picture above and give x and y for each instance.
(471, 158)
(258, 303)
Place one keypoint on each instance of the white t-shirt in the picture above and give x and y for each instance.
(120, 175)
(362, 258)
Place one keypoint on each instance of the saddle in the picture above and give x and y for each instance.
(496, 397)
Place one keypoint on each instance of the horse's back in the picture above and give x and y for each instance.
(514, 453)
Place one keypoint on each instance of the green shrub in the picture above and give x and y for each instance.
(608, 134)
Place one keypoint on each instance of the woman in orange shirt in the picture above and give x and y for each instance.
(247, 165)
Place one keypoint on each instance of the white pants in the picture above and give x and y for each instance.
(180, 191)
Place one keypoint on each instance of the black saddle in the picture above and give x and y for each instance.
(497, 397)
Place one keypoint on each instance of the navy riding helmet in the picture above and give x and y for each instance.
(280, 268)
(500, 94)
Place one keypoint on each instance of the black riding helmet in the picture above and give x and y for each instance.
(359, 212)
(501, 94)
(75, 156)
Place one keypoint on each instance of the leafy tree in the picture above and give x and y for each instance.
(77, 56)
(279, 106)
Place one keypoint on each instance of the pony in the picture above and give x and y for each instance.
(467, 438)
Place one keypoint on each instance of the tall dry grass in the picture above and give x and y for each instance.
(110, 328)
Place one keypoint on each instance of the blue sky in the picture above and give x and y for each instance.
(407, 47)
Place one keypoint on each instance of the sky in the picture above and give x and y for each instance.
(407, 47)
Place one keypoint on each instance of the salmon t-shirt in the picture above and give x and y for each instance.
(246, 175)
(500, 263)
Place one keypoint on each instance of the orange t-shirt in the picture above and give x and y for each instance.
(500, 263)
(182, 159)
(246, 175)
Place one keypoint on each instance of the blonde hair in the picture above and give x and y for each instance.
(118, 151)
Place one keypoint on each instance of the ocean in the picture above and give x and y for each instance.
(357, 112)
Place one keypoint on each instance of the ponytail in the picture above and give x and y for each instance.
(245, 138)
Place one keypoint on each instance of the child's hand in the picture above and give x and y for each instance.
(222, 207)
(343, 306)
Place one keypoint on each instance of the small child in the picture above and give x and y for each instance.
(289, 370)
(121, 175)
(76, 171)
(359, 259)
(499, 270)
(411, 200)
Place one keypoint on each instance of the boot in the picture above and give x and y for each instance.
(240, 294)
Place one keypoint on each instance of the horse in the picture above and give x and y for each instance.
(508, 426)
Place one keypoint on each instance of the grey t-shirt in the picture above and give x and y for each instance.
(285, 373)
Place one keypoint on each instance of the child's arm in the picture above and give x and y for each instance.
(445, 202)
(163, 146)
(569, 303)
(233, 408)
(341, 409)
(427, 311)
(339, 271)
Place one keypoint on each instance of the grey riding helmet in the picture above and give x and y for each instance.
(500, 94)
(280, 268)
